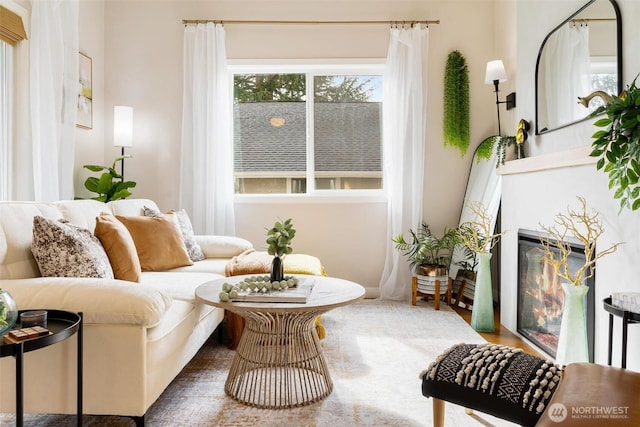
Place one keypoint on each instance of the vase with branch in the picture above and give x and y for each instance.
(478, 236)
(584, 226)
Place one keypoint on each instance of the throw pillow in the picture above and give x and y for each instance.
(64, 250)
(158, 242)
(194, 250)
(120, 248)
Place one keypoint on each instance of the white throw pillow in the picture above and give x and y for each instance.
(64, 250)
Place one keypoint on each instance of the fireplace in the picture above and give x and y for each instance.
(540, 296)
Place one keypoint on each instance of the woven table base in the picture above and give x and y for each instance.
(279, 363)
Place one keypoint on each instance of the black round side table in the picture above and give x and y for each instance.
(627, 317)
(62, 325)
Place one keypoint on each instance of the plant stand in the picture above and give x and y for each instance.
(431, 286)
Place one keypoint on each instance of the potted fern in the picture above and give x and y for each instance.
(428, 254)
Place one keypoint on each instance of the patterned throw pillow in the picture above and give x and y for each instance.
(194, 250)
(64, 250)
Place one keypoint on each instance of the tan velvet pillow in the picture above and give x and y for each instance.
(118, 244)
(158, 242)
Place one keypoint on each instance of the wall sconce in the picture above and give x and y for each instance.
(495, 75)
(122, 130)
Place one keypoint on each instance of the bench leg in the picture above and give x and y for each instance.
(438, 412)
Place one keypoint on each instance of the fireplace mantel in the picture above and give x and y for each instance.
(560, 159)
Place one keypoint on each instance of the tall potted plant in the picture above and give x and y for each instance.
(110, 185)
(585, 227)
(279, 239)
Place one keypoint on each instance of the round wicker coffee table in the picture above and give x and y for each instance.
(279, 361)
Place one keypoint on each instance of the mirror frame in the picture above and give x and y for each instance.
(483, 181)
(616, 8)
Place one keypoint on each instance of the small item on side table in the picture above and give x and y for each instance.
(33, 318)
(24, 334)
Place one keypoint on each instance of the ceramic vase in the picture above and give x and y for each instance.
(573, 344)
(8, 311)
(277, 269)
(482, 312)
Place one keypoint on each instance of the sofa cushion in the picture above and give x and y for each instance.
(82, 212)
(222, 246)
(184, 223)
(120, 248)
(177, 285)
(64, 250)
(101, 301)
(158, 242)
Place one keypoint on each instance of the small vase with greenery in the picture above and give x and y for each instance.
(279, 239)
(428, 254)
(618, 145)
(110, 185)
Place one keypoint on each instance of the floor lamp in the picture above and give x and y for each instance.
(122, 130)
(495, 75)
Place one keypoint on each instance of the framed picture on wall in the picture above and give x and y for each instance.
(85, 100)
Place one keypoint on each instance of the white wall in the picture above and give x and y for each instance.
(143, 68)
(90, 142)
(532, 198)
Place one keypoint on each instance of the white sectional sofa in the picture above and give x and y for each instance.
(137, 335)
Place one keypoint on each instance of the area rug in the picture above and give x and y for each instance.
(375, 351)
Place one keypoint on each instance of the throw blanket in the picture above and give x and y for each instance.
(256, 262)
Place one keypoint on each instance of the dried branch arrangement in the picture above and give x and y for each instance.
(584, 226)
(477, 235)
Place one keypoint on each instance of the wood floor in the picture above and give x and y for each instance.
(501, 335)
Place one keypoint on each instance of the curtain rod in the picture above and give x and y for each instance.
(224, 22)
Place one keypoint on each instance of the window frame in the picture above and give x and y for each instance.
(312, 68)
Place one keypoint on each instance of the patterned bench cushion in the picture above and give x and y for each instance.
(499, 380)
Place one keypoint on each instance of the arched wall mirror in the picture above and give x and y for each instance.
(580, 56)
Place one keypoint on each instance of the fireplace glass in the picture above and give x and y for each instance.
(540, 295)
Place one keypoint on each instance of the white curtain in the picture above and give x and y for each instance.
(206, 186)
(54, 96)
(405, 105)
(567, 69)
(6, 77)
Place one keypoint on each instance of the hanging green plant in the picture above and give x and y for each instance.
(485, 149)
(456, 102)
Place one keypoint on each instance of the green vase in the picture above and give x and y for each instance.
(573, 342)
(482, 312)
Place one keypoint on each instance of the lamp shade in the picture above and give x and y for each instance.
(122, 126)
(495, 71)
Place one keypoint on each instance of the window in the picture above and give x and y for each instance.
(307, 132)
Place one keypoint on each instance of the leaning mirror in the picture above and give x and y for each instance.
(580, 56)
(484, 186)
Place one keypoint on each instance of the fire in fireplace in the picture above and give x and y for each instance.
(540, 295)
